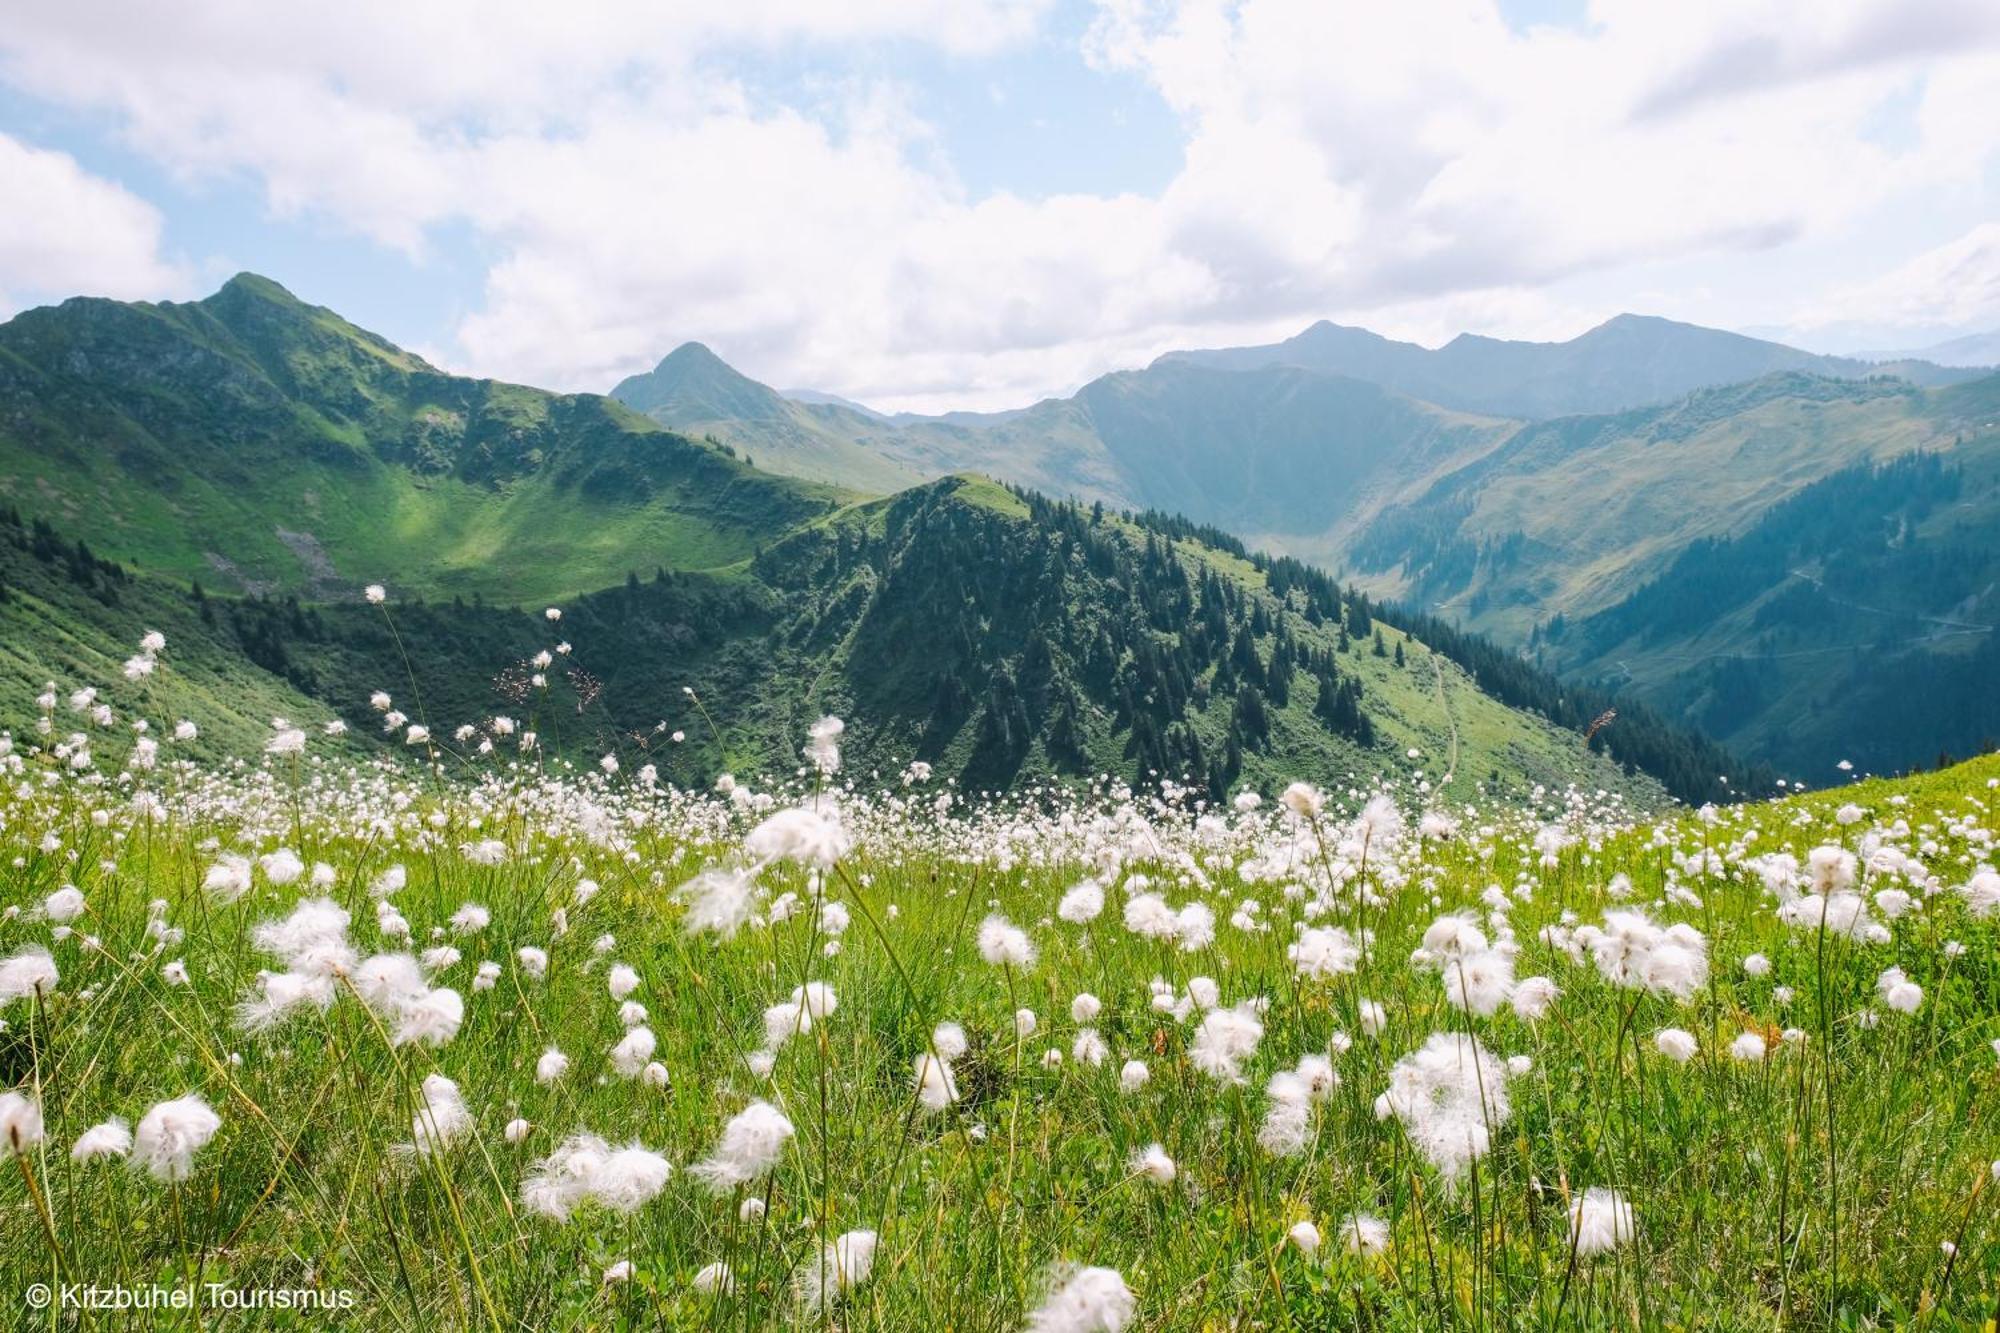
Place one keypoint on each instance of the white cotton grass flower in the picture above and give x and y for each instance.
(584, 1168)
(837, 1270)
(751, 1145)
(64, 905)
(20, 1121)
(1677, 1044)
(1898, 992)
(1450, 1095)
(1084, 1300)
(1324, 951)
(281, 867)
(629, 1178)
(1194, 927)
(1153, 1163)
(1982, 892)
(1364, 1234)
(389, 983)
(113, 1138)
(949, 1041)
(280, 995)
(1224, 1039)
(1148, 916)
(431, 1019)
(715, 1278)
(1085, 1008)
(1303, 799)
(1842, 914)
(805, 836)
(621, 981)
(1749, 1048)
(312, 938)
(783, 1021)
(28, 973)
(720, 901)
(1304, 1237)
(1632, 951)
(1479, 983)
(1600, 1220)
(633, 1051)
(1004, 944)
(517, 1131)
(441, 1118)
(1082, 904)
(936, 1087)
(227, 879)
(1090, 1048)
(1133, 1076)
(562, 1181)
(1533, 997)
(171, 1133)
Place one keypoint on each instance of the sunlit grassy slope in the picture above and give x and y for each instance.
(1841, 1180)
(258, 443)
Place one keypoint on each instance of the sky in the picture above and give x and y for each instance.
(931, 204)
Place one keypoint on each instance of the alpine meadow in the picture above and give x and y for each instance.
(1364, 694)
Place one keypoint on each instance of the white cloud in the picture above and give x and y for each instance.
(1406, 164)
(66, 232)
(1956, 285)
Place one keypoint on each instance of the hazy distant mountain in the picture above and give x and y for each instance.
(1277, 453)
(1629, 361)
(815, 398)
(696, 392)
(1975, 349)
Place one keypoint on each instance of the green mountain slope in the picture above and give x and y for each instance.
(1000, 638)
(1859, 620)
(1629, 361)
(1570, 516)
(259, 443)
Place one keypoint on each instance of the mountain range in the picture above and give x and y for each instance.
(1502, 486)
(1974, 350)
(231, 471)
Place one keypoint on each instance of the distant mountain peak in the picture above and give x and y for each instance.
(690, 355)
(248, 284)
(1630, 360)
(692, 383)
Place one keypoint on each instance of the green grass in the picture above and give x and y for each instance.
(1753, 1211)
